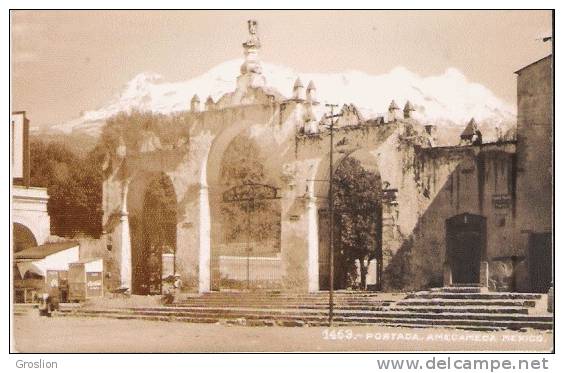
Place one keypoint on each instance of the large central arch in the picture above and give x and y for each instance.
(245, 219)
(319, 189)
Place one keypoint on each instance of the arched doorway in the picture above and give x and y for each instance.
(23, 238)
(357, 226)
(246, 220)
(466, 247)
(153, 236)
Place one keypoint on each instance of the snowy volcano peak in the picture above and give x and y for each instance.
(445, 98)
(141, 83)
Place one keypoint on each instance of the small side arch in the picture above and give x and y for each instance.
(23, 237)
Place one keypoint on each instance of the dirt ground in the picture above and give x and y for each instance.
(34, 334)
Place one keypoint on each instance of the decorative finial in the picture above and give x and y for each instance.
(393, 111)
(195, 104)
(407, 109)
(471, 134)
(210, 105)
(251, 46)
(253, 40)
(298, 91)
(310, 92)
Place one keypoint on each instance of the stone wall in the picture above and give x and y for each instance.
(534, 149)
(450, 181)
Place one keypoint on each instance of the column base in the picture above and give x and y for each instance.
(484, 275)
(447, 275)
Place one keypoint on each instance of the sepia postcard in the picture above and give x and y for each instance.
(281, 181)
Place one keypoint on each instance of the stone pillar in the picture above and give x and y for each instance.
(204, 278)
(312, 245)
(125, 241)
(447, 274)
(550, 299)
(484, 275)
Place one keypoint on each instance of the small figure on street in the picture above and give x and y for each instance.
(177, 283)
(48, 302)
(171, 287)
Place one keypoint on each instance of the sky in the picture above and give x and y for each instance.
(67, 62)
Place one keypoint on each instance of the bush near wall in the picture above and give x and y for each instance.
(74, 185)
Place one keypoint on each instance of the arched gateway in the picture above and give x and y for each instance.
(152, 220)
(247, 181)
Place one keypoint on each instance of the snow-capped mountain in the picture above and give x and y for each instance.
(448, 99)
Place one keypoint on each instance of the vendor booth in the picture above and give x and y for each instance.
(43, 269)
(86, 279)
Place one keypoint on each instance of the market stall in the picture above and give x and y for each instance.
(43, 269)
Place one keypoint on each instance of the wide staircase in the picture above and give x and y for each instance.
(24, 309)
(464, 306)
(251, 308)
(469, 307)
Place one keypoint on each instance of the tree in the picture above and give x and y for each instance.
(74, 185)
(358, 207)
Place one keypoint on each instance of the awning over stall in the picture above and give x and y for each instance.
(51, 256)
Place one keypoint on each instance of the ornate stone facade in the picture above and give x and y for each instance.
(422, 187)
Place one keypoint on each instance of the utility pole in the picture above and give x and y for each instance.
(249, 249)
(331, 216)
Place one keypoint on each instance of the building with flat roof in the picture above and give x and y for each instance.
(30, 220)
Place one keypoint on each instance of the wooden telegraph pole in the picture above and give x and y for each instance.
(331, 217)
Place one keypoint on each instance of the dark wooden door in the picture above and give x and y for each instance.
(466, 239)
(465, 257)
(540, 261)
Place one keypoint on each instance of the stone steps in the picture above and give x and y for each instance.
(316, 319)
(467, 305)
(277, 300)
(462, 302)
(453, 307)
(474, 296)
(460, 309)
(352, 310)
(254, 312)
(320, 306)
(284, 299)
(22, 309)
(458, 289)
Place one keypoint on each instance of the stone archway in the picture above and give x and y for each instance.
(363, 162)
(152, 218)
(245, 219)
(23, 238)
